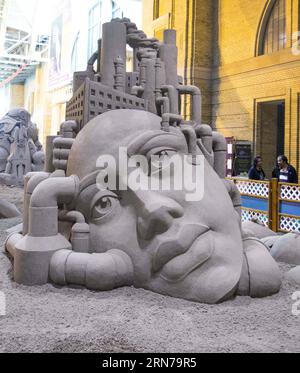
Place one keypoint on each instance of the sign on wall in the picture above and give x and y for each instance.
(243, 157)
(60, 71)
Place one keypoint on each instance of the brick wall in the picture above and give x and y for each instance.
(217, 43)
(243, 80)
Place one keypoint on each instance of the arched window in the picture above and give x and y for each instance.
(95, 27)
(274, 35)
(74, 56)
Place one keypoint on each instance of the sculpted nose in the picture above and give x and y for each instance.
(157, 216)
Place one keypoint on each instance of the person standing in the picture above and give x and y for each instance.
(284, 172)
(256, 172)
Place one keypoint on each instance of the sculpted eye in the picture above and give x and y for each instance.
(104, 205)
(166, 153)
(160, 160)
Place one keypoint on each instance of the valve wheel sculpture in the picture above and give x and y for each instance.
(75, 232)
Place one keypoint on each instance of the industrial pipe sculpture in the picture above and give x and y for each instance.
(78, 231)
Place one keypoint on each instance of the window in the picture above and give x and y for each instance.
(74, 58)
(116, 10)
(274, 37)
(156, 9)
(95, 28)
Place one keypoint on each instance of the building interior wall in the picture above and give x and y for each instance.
(220, 55)
(217, 44)
(45, 95)
(267, 134)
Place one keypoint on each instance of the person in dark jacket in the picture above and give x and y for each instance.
(256, 172)
(284, 172)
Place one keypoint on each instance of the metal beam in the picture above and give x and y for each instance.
(25, 58)
(7, 62)
(3, 19)
(23, 52)
(17, 44)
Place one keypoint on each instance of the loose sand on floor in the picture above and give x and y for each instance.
(53, 319)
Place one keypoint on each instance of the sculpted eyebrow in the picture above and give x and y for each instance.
(88, 181)
(150, 140)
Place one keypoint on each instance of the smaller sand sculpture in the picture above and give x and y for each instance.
(20, 150)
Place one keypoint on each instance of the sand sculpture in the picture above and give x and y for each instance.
(283, 248)
(20, 150)
(76, 232)
(8, 210)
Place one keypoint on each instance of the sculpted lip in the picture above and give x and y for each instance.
(177, 246)
(181, 266)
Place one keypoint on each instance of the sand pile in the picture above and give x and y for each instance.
(51, 319)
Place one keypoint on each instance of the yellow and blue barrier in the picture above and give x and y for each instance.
(276, 205)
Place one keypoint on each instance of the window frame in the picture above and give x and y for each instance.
(94, 23)
(271, 40)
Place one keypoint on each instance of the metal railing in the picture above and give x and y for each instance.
(276, 205)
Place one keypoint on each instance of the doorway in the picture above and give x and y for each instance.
(270, 133)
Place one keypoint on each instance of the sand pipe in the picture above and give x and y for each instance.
(43, 210)
(137, 91)
(204, 132)
(220, 151)
(63, 143)
(170, 119)
(164, 103)
(148, 72)
(136, 62)
(60, 164)
(191, 139)
(160, 78)
(143, 67)
(119, 74)
(49, 154)
(169, 55)
(196, 100)
(145, 54)
(71, 216)
(205, 142)
(68, 129)
(113, 46)
(61, 149)
(61, 154)
(80, 233)
(92, 60)
(32, 253)
(11, 242)
(105, 271)
(173, 97)
(31, 181)
(99, 55)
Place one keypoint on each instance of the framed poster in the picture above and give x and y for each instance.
(242, 157)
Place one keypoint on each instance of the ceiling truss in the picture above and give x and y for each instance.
(20, 52)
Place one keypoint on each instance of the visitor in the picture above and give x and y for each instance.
(284, 172)
(256, 172)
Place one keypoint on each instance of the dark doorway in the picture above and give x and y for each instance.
(270, 133)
